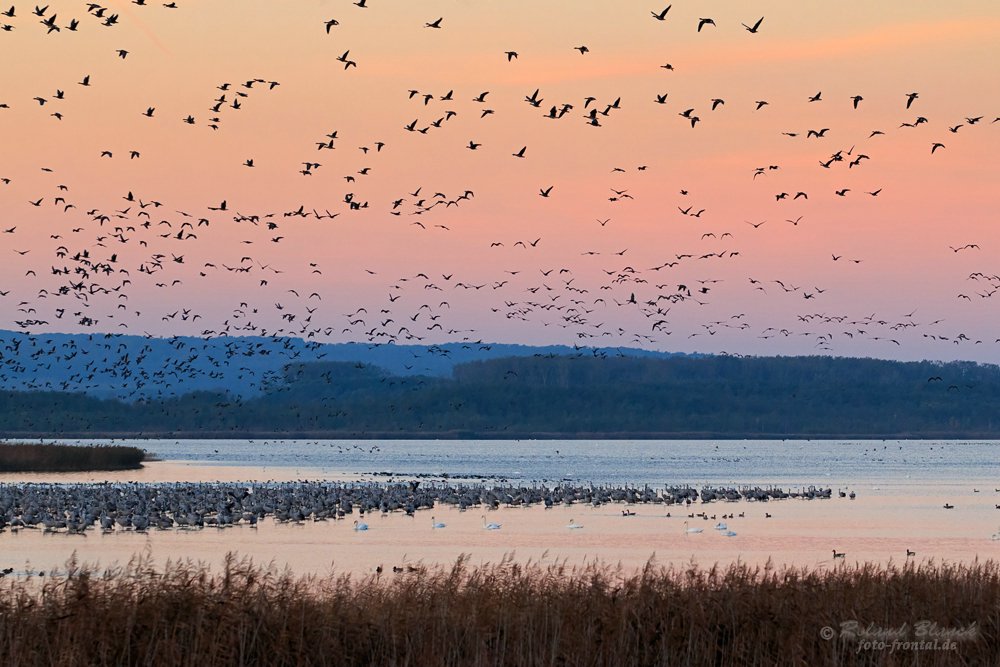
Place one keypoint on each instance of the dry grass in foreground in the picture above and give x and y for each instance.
(30, 457)
(504, 614)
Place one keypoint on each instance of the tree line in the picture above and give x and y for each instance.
(717, 396)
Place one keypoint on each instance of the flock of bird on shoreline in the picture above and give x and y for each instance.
(76, 508)
(116, 507)
(128, 266)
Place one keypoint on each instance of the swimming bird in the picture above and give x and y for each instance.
(491, 525)
(360, 525)
(840, 554)
(437, 524)
(691, 531)
(572, 525)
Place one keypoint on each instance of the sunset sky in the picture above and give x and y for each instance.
(928, 243)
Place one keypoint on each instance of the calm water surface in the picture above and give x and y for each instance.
(784, 462)
(901, 487)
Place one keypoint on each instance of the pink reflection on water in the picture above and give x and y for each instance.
(879, 526)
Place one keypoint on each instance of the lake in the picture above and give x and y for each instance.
(657, 462)
(901, 489)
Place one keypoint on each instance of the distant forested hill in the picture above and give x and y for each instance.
(134, 367)
(559, 395)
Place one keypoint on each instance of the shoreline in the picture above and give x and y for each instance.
(484, 435)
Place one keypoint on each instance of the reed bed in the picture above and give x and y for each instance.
(32, 457)
(502, 614)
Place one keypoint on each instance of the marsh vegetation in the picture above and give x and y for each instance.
(501, 614)
(31, 457)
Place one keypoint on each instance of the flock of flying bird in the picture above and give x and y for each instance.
(130, 267)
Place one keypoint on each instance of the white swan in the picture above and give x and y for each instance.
(360, 525)
(691, 531)
(573, 525)
(721, 526)
(491, 525)
(437, 524)
(729, 533)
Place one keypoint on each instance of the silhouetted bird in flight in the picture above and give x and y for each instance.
(662, 16)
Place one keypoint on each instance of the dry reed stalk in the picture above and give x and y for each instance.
(503, 614)
(34, 457)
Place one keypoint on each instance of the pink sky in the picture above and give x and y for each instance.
(927, 204)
